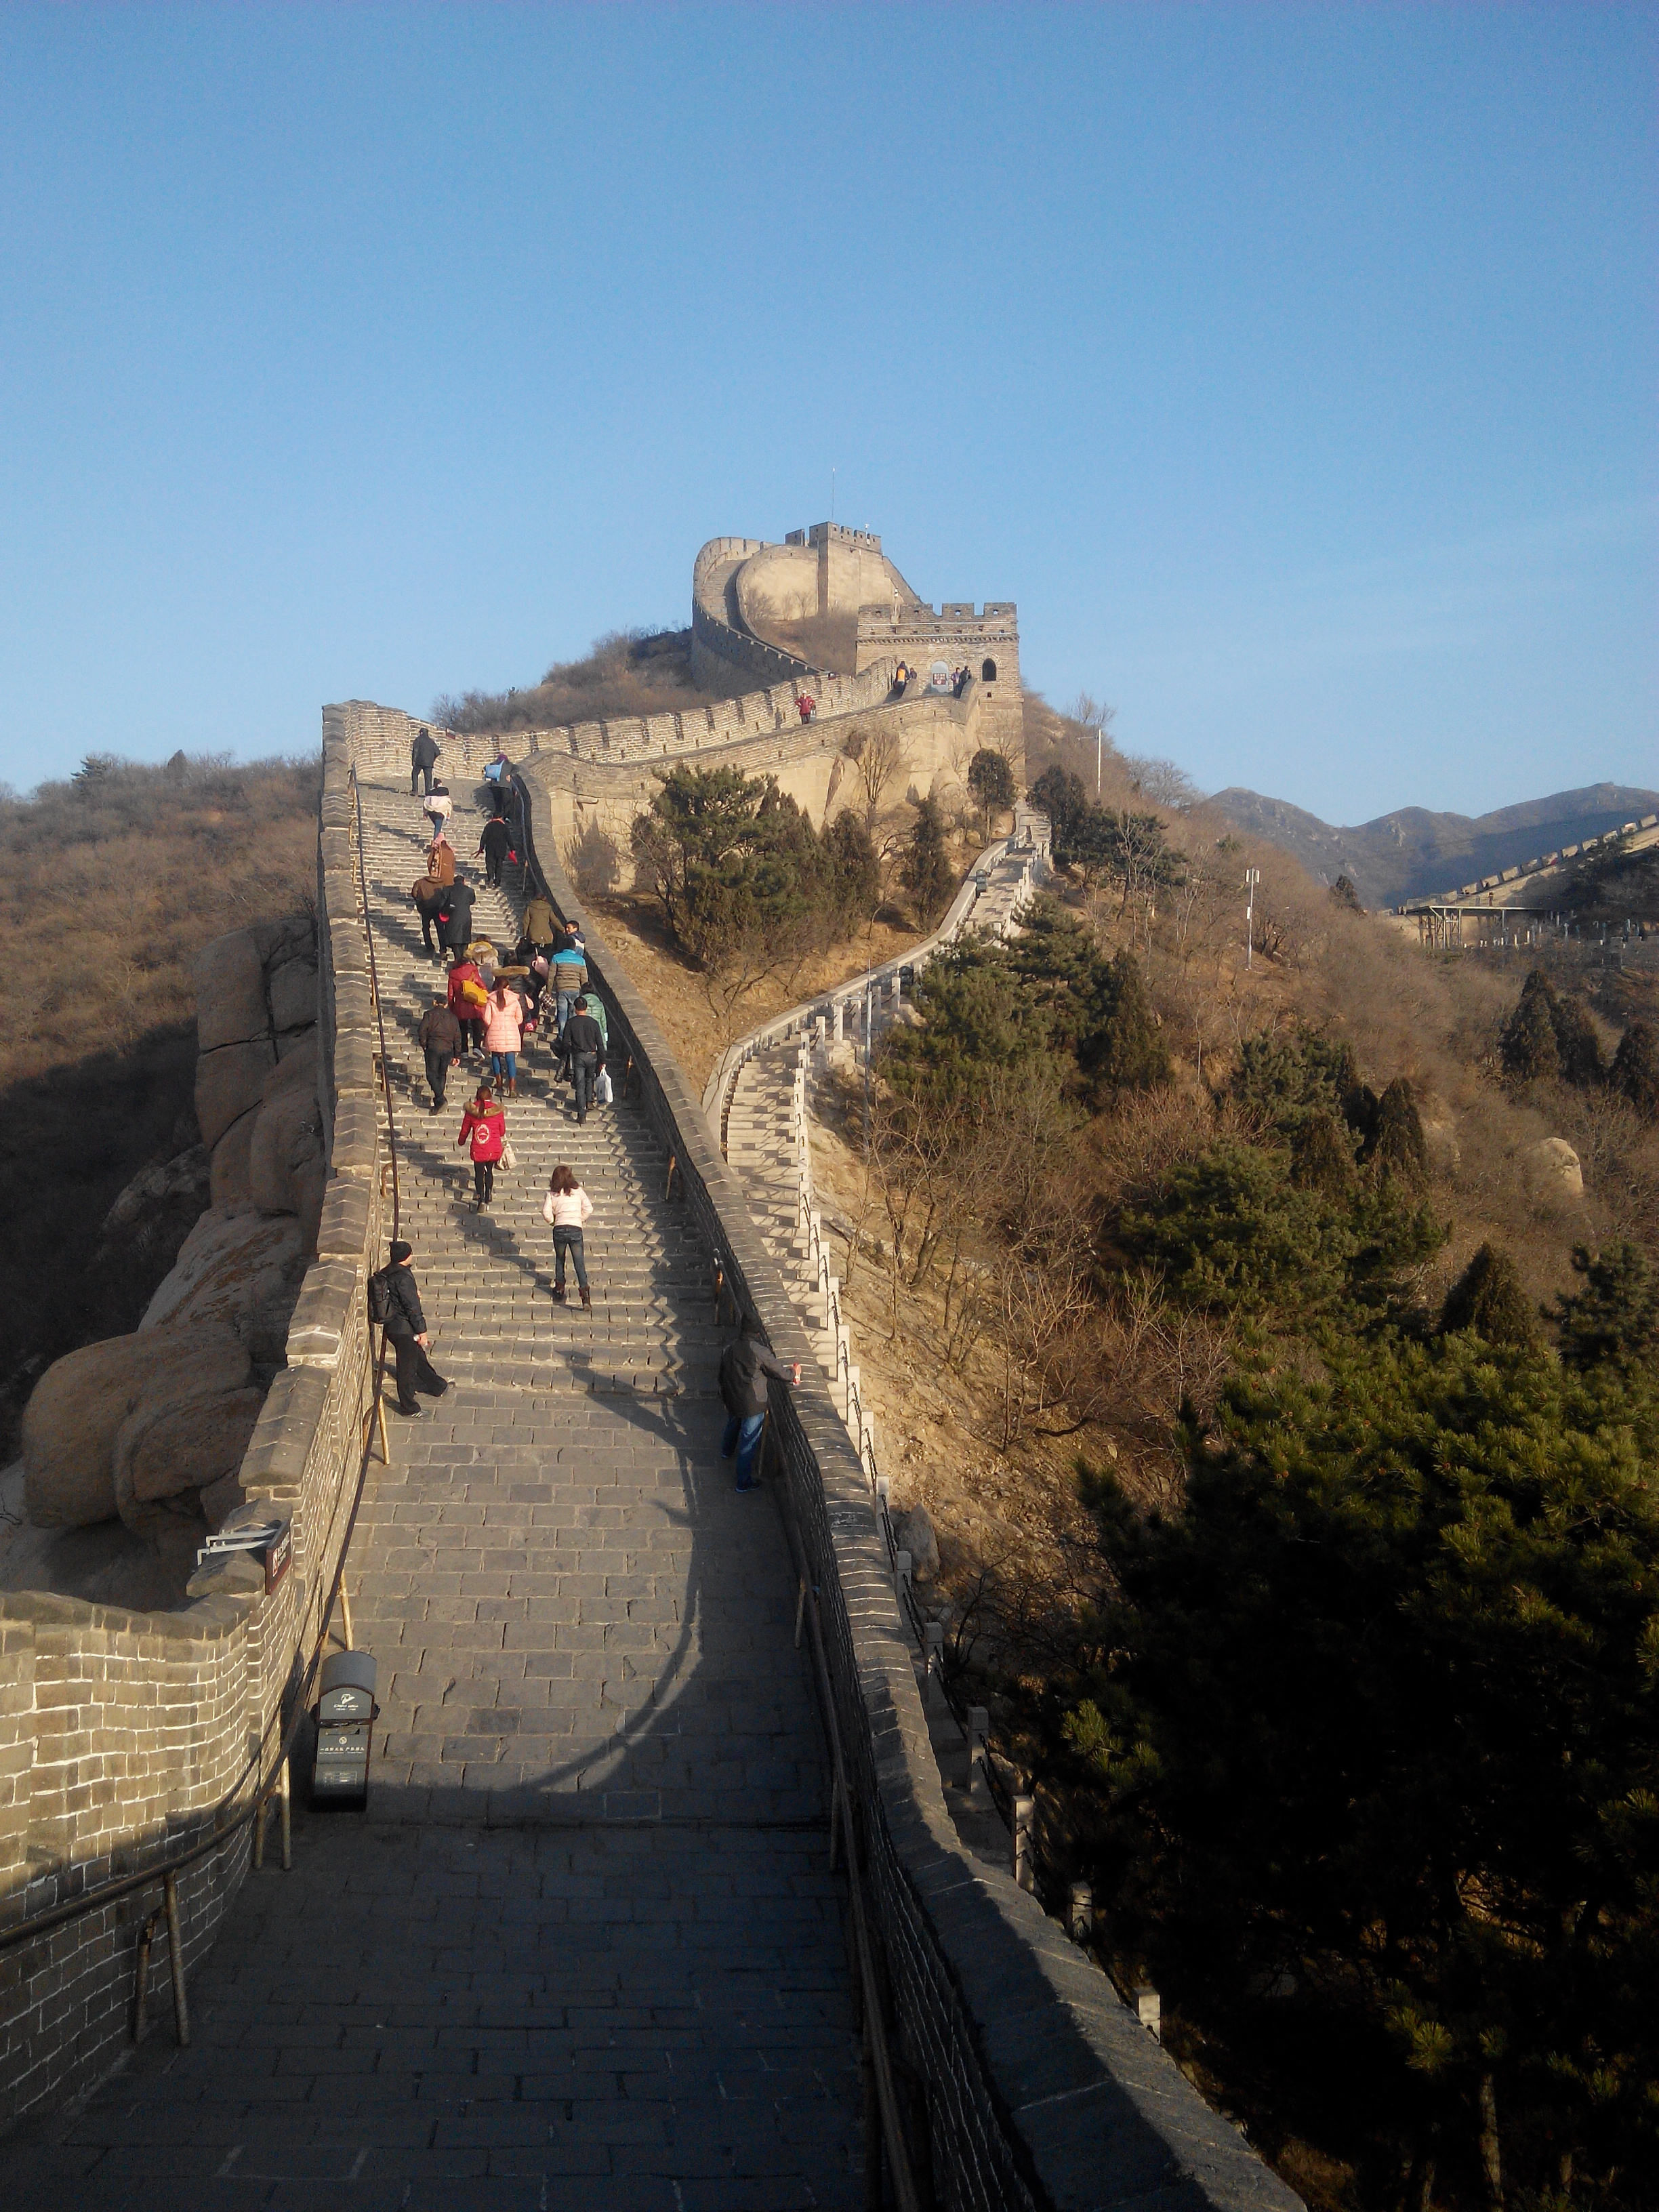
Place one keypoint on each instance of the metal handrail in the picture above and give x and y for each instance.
(167, 1871)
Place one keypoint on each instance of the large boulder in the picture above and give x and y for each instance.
(292, 989)
(158, 1209)
(231, 1005)
(78, 1407)
(1553, 1176)
(170, 1448)
(228, 1081)
(231, 1190)
(243, 1272)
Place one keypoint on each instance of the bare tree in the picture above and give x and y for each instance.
(879, 760)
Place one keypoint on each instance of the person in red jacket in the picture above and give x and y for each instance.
(486, 1125)
(468, 1007)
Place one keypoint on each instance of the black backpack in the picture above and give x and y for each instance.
(379, 1299)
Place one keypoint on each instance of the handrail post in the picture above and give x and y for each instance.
(175, 1960)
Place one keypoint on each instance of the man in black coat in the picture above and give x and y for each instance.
(455, 916)
(406, 1331)
(583, 1046)
(423, 759)
(744, 1365)
(494, 845)
(441, 1041)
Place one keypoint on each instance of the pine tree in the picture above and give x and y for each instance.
(1343, 893)
(1321, 1154)
(1401, 1145)
(1578, 1046)
(1488, 1297)
(927, 873)
(1527, 1046)
(1614, 1319)
(991, 781)
(1062, 798)
(1123, 1047)
(1635, 1070)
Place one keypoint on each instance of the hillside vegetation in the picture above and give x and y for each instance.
(626, 672)
(1292, 1440)
(112, 881)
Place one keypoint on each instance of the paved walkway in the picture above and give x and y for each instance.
(586, 1950)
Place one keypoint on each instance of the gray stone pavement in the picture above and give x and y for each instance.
(585, 1949)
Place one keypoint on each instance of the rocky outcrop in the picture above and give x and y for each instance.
(152, 1427)
(81, 1404)
(1553, 1175)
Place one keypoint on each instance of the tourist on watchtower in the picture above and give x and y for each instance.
(485, 1126)
(494, 844)
(441, 1041)
(744, 1365)
(440, 859)
(568, 1206)
(582, 1042)
(503, 1030)
(423, 759)
(406, 1330)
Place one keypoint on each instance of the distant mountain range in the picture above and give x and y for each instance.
(1412, 852)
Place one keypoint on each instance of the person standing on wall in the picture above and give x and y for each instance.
(583, 1044)
(423, 759)
(503, 1031)
(744, 1365)
(440, 859)
(467, 1000)
(494, 845)
(486, 1125)
(441, 1041)
(428, 894)
(394, 1299)
(568, 1206)
(569, 980)
(457, 913)
(540, 928)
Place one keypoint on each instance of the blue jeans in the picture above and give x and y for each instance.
(565, 1005)
(504, 1063)
(743, 1436)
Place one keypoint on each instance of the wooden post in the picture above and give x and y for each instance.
(176, 1961)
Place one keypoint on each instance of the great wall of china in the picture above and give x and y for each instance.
(142, 1753)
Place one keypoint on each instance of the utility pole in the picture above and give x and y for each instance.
(1100, 755)
(1252, 878)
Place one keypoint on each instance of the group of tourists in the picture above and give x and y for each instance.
(489, 1006)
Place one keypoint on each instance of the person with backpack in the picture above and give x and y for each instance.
(423, 759)
(568, 1206)
(504, 1019)
(440, 1040)
(394, 1304)
(440, 859)
(486, 1125)
(438, 806)
(744, 1365)
(428, 893)
(583, 1046)
(467, 1000)
(495, 845)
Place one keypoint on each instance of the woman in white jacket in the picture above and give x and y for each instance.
(567, 1206)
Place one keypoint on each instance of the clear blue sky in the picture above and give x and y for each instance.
(1293, 367)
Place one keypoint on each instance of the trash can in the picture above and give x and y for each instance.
(346, 1712)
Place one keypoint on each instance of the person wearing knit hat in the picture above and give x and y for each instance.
(406, 1330)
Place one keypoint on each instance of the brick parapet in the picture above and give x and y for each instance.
(1043, 2090)
(126, 1737)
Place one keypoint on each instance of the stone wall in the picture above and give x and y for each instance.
(1040, 2087)
(128, 1737)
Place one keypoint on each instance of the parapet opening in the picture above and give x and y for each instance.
(987, 673)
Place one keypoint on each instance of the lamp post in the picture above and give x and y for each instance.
(1252, 878)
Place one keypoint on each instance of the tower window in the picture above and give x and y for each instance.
(988, 674)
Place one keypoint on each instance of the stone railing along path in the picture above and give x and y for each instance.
(587, 1950)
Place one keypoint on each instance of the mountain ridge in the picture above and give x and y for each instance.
(1414, 850)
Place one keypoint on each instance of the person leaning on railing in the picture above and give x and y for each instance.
(744, 1365)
